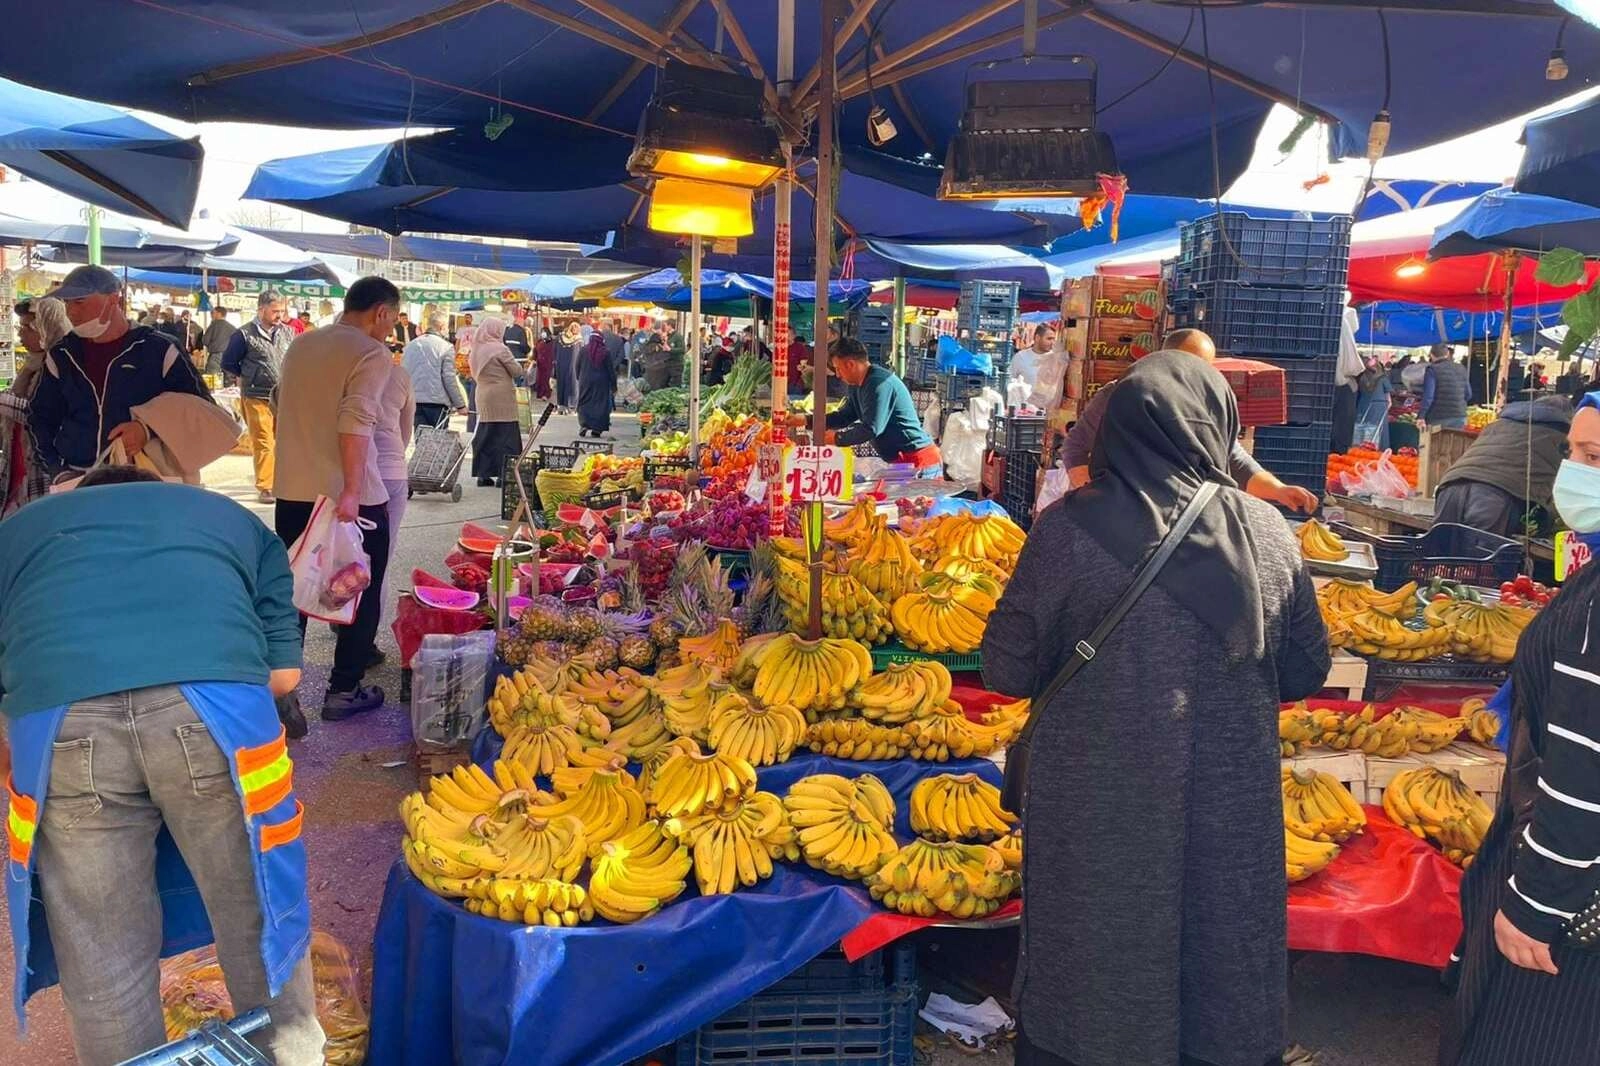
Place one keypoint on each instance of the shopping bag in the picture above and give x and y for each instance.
(330, 566)
(954, 359)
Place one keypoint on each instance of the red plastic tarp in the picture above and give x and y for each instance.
(413, 621)
(1463, 282)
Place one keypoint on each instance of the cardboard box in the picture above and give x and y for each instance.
(1261, 389)
(1122, 338)
(1114, 297)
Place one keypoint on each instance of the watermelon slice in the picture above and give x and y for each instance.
(515, 605)
(445, 599)
(423, 579)
(478, 545)
(471, 531)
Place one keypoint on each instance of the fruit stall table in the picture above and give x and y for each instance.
(1380, 519)
(450, 986)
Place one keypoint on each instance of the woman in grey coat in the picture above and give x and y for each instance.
(1154, 921)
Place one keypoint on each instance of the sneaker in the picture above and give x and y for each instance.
(292, 718)
(266, 497)
(376, 659)
(341, 705)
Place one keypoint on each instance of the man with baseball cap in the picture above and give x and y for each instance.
(103, 369)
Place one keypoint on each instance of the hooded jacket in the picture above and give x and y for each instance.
(1520, 452)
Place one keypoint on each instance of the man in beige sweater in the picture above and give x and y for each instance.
(328, 403)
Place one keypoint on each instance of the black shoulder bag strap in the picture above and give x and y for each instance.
(1013, 789)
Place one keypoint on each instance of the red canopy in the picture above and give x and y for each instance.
(1465, 282)
(944, 299)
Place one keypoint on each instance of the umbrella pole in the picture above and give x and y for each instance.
(782, 219)
(95, 256)
(694, 363)
(897, 337)
(828, 91)
(1498, 400)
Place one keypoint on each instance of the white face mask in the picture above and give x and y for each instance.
(95, 327)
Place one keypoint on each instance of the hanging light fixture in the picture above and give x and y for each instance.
(703, 208)
(709, 126)
(1028, 138)
(1411, 268)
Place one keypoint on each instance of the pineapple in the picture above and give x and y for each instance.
(583, 624)
(545, 618)
(603, 652)
(664, 632)
(637, 652)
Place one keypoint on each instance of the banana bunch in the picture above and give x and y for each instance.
(541, 748)
(1427, 731)
(568, 781)
(716, 649)
(944, 618)
(649, 768)
(1363, 732)
(1374, 633)
(759, 734)
(1477, 631)
(1436, 805)
(687, 785)
(959, 566)
(992, 538)
(850, 610)
(903, 692)
(687, 693)
(471, 826)
(621, 695)
(1009, 848)
(884, 564)
(852, 528)
(854, 738)
(645, 736)
(958, 807)
(1296, 731)
(844, 825)
(948, 731)
(1339, 597)
(810, 675)
(1483, 725)
(735, 845)
(608, 804)
(1316, 806)
(524, 699)
(1318, 543)
(1302, 858)
(633, 877)
(546, 901)
(927, 878)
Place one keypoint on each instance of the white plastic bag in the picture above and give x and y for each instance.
(1053, 488)
(330, 566)
(1378, 477)
(1046, 393)
(962, 448)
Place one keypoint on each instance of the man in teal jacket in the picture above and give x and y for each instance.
(150, 791)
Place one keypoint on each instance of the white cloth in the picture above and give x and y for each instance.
(971, 1023)
(1350, 362)
(397, 409)
(1025, 366)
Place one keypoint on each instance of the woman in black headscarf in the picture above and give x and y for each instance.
(1154, 931)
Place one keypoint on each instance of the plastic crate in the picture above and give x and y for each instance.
(668, 466)
(921, 369)
(659, 427)
(1450, 551)
(508, 486)
(895, 652)
(1298, 444)
(832, 972)
(1005, 291)
(215, 1044)
(561, 457)
(1016, 433)
(594, 447)
(837, 1029)
(923, 397)
(1311, 384)
(1265, 251)
(1384, 676)
(1266, 321)
(954, 390)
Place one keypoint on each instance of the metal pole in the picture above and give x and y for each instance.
(1513, 261)
(95, 257)
(897, 326)
(782, 203)
(828, 90)
(694, 345)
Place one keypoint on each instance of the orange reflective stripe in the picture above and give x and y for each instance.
(22, 819)
(273, 836)
(266, 775)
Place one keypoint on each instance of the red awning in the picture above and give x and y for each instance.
(1466, 282)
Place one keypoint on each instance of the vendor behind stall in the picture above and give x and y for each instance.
(1508, 470)
(877, 407)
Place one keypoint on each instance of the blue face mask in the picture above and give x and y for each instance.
(1577, 496)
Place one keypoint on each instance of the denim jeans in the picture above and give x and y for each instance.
(123, 765)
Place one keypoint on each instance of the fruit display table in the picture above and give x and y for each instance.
(449, 986)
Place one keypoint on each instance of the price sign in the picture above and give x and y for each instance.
(1572, 554)
(818, 472)
(769, 462)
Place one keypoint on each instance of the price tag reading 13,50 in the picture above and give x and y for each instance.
(818, 472)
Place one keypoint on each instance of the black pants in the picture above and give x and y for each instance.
(355, 641)
(430, 414)
(1481, 506)
(1344, 419)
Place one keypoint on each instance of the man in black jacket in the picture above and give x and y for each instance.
(103, 369)
(255, 355)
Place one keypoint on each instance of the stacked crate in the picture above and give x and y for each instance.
(1272, 290)
(986, 316)
(875, 330)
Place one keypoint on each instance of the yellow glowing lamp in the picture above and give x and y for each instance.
(1411, 268)
(699, 166)
(678, 205)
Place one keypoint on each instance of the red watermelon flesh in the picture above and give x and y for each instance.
(478, 545)
(471, 531)
(515, 605)
(445, 599)
(423, 579)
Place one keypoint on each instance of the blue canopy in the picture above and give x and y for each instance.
(667, 288)
(548, 286)
(446, 252)
(1504, 219)
(1563, 154)
(97, 153)
(1401, 325)
(122, 245)
(466, 64)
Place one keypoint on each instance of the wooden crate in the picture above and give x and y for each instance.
(1348, 674)
(431, 761)
(1381, 771)
(1482, 769)
(1349, 767)
(1122, 338)
(1440, 450)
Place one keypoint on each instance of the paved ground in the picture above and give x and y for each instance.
(1358, 1011)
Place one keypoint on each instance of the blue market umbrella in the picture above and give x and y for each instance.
(98, 154)
(1178, 83)
(1503, 219)
(1562, 156)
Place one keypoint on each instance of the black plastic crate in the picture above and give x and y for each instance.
(956, 389)
(921, 369)
(1298, 444)
(594, 447)
(837, 1029)
(561, 457)
(1269, 321)
(508, 486)
(1265, 251)
(1310, 385)
(1450, 551)
(923, 397)
(1016, 433)
(1021, 485)
(989, 291)
(832, 972)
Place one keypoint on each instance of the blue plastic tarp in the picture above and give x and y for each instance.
(1503, 219)
(121, 245)
(284, 61)
(1562, 155)
(1401, 325)
(449, 986)
(476, 254)
(667, 288)
(98, 153)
